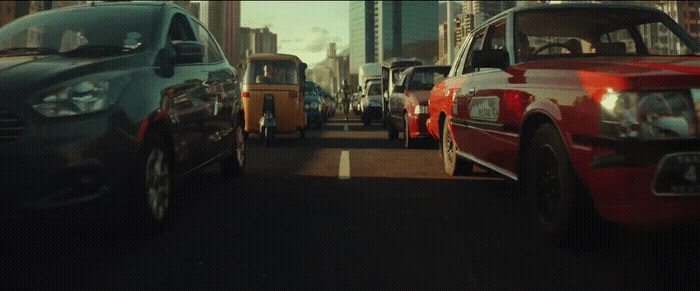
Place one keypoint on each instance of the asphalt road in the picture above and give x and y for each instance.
(290, 222)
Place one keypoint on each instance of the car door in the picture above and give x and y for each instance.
(219, 93)
(461, 96)
(182, 97)
(489, 123)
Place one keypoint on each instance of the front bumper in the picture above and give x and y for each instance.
(621, 178)
(53, 168)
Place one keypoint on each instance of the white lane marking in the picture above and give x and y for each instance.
(344, 166)
(346, 128)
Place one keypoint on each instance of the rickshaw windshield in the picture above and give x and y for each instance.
(272, 72)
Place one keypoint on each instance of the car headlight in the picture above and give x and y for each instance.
(306, 106)
(420, 109)
(648, 114)
(81, 96)
(314, 105)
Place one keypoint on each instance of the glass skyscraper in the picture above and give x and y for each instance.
(380, 30)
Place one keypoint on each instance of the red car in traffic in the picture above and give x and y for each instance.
(408, 104)
(595, 113)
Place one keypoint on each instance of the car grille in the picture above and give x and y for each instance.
(11, 127)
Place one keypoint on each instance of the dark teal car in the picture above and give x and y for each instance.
(110, 104)
(313, 104)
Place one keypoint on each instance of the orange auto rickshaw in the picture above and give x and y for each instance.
(272, 91)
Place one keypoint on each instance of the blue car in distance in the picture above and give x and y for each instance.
(313, 105)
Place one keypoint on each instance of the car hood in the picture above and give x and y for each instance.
(619, 73)
(28, 74)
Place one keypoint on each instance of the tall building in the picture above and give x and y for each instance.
(256, 40)
(380, 30)
(223, 19)
(406, 29)
(361, 22)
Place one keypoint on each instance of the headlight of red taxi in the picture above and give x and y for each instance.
(657, 114)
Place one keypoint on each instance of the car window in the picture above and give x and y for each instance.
(475, 45)
(374, 89)
(573, 33)
(212, 52)
(130, 29)
(426, 79)
(496, 38)
(180, 29)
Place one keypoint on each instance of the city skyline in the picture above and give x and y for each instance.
(303, 28)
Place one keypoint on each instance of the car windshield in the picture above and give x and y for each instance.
(573, 33)
(309, 88)
(374, 89)
(130, 29)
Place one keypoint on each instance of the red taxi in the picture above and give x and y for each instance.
(595, 113)
(408, 104)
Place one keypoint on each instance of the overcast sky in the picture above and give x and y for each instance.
(303, 28)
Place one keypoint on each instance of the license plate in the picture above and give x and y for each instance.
(678, 174)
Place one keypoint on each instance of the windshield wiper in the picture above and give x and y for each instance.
(18, 51)
(99, 49)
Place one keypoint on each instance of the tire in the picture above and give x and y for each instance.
(302, 133)
(393, 132)
(233, 165)
(155, 189)
(366, 120)
(551, 188)
(454, 165)
(408, 142)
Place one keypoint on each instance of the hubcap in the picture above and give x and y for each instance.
(448, 146)
(157, 183)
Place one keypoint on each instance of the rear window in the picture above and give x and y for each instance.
(272, 72)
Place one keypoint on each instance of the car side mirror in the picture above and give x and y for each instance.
(188, 52)
(492, 58)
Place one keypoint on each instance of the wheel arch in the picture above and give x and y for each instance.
(530, 125)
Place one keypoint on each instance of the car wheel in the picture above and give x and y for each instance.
(454, 165)
(234, 164)
(156, 182)
(366, 120)
(393, 132)
(407, 140)
(550, 185)
(302, 133)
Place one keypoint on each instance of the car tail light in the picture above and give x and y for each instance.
(245, 94)
(293, 94)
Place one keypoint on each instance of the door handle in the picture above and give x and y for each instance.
(471, 91)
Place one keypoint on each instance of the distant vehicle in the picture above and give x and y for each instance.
(372, 102)
(273, 91)
(391, 69)
(112, 105)
(592, 114)
(367, 71)
(313, 104)
(409, 103)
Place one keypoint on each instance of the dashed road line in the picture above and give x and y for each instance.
(344, 166)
